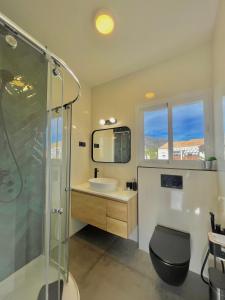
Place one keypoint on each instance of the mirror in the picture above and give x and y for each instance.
(111, 145)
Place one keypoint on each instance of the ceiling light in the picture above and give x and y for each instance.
(110, 121)
(104, 23)
(150, 95)
(102, 122)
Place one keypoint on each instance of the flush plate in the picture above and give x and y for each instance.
(172, 181)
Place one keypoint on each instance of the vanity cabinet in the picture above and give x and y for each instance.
(112, 215)
(89, 209)
(117, 210)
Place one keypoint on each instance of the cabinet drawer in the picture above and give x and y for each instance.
(117, 210)
(89, 209)
(117, 227)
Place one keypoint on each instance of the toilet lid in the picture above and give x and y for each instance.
(171, 246)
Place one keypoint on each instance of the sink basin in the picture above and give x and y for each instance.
(103, 184)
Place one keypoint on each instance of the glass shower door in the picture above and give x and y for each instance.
(58, 183)
(23, 102)
(33, 178)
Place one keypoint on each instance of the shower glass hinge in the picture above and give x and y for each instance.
(58, 211)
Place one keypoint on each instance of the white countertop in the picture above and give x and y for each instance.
(119, 194)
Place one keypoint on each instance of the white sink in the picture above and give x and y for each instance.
(103, 184)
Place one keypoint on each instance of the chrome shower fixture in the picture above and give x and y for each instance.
(56, 71)
(11, 41)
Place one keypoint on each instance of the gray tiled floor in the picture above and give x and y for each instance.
(110, 268)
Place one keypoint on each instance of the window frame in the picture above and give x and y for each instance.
(154, 108)
(170, 102)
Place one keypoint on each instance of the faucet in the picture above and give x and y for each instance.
(96, 172)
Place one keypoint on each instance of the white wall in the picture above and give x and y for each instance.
(80, 159)
(119, 98)
(219, 97)
(185, 210)
(81, 130)
(186, 74)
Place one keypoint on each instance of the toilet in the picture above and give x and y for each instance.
(170, 254)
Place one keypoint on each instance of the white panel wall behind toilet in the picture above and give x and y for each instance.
(219, 102)
(186, 210)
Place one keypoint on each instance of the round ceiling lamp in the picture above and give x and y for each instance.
(150, 95)
(104, 23)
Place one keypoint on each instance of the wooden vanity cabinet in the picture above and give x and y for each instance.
(115, 216)
(89, 209)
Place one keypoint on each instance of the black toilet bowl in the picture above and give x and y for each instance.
(170, 254)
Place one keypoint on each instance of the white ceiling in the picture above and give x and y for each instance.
(147, 31)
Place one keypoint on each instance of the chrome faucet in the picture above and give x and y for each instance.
(96, 172)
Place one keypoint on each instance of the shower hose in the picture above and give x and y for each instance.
(2, 88)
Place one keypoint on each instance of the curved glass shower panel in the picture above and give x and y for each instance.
(59, 246)
(66, 196)
(56, 273)
(23, 102)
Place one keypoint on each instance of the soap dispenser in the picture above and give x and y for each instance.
(134, 185)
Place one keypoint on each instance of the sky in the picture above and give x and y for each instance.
(56, 133)
(188, 122)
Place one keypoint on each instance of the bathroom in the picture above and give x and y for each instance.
(111, 162)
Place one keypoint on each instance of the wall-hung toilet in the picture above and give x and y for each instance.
(170, 254)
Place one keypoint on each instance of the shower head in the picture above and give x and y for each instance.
(5, 76)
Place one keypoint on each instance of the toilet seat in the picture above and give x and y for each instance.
(170, 253)
(171, 246)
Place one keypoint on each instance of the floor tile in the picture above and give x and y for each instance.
(96, 237)
(107, 267)
(127, 252)
(83, 257)
(109, 280)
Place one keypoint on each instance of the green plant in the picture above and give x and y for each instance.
(151, 153)
(211, 158)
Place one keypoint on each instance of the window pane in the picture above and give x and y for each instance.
(56, 137)
(156, 134)
(188, 131)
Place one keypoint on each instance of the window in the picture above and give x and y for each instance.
(175, 132)
(156, 134)
(188, 131)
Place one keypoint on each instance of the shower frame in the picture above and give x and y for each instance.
(39, 47)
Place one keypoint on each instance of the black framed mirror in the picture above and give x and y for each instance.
(112, 145)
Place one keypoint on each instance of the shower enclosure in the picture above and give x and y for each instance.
(34, 171)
